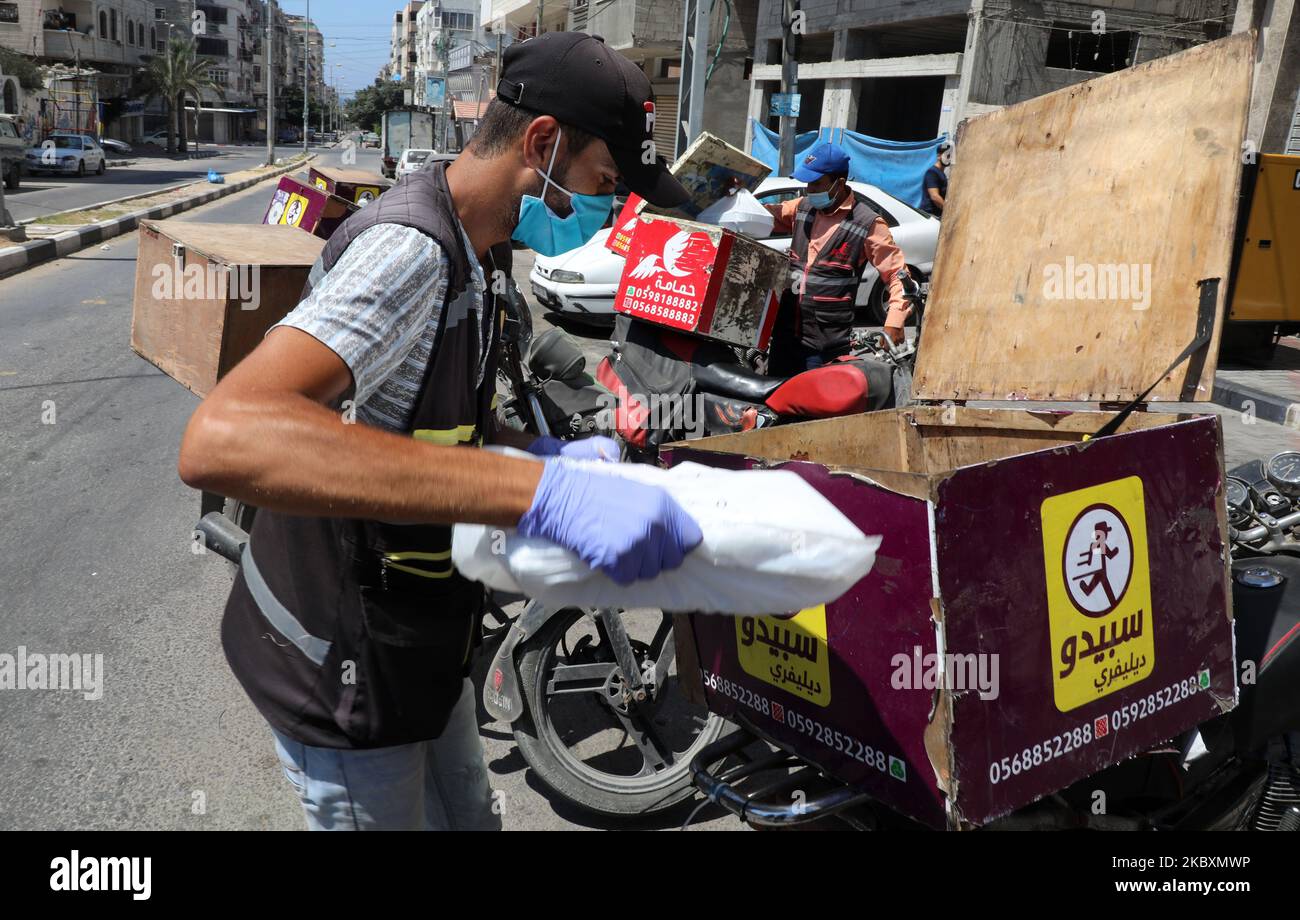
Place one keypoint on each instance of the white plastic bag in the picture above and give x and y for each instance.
(740, 212)
(772, 544)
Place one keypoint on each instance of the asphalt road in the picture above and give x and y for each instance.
(95, 557)
(45, 194)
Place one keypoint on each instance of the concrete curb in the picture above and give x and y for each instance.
(1268, 406)
(18, 258)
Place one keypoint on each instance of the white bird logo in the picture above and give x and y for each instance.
(673, 250)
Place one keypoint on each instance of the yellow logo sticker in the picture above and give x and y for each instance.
(790, 653)
(1098, 591)
(294, 211)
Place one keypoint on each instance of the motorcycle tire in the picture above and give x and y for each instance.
(591, 790)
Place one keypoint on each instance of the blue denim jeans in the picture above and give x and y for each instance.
(429, 785)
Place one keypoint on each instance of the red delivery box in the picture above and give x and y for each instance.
(619, 240)
(702, 279)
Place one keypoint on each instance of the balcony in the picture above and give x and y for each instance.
(639, 28)
(69, 46)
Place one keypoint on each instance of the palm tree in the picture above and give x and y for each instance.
(176, 73)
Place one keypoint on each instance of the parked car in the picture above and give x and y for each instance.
(370, 139)
(156, 137)
(582, 282)
(67, 153)
(112, 145)
(12, 151)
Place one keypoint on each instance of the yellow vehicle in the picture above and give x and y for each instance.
(1264, 302)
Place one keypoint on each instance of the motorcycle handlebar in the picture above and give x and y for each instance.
(222, 535)
(1261, 532)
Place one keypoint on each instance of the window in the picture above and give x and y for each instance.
(59, 20)
(216, 47)
(159, 14)
(462, 22)
(9, 13)
(1077, 47)
(220, 77)
(130, 32)
(112, 23)
(103, 24)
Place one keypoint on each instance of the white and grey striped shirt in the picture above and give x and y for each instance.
(379, 309)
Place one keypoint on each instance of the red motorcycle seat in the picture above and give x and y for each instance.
(823, 392)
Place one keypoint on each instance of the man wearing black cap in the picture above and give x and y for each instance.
(352, 427)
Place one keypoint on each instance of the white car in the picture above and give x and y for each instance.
(412, 159)
(581, 282)
(67, 153)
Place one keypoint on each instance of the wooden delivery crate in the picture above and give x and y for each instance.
(354, 185)
(1049, 597)
(702, 279)
(296, 204)
(205, 294)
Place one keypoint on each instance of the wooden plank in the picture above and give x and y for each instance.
(243, 244)
(1138, 169)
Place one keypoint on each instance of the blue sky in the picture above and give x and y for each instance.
(360, 31)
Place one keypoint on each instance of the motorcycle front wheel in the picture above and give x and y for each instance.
(605, 753)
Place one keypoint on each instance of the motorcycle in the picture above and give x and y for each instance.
(1237, 771)
(565, 678)
(670, 386)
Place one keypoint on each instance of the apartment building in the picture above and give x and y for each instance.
(912, 69)
(404, 47)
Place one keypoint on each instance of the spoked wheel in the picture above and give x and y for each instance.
(588, 737)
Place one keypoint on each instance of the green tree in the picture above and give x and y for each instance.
(368, 104)
(176, 73)
(288, 104)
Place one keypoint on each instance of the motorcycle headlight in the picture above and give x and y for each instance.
(563, 277)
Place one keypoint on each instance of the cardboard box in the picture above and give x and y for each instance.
(1047, 599)
(702, 279)
(354, 185)
(295, 204)
(709, 169)
(205, 294)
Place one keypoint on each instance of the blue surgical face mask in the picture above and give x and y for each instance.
(821, 200)
(548, 235)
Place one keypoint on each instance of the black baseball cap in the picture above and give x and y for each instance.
(576, 79)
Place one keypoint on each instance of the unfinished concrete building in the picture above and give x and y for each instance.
(911, 69)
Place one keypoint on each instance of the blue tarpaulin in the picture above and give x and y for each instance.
(897, 167)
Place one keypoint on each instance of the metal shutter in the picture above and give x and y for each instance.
(666, 126)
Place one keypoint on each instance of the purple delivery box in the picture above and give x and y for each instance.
(1049, 597)
(296, 204)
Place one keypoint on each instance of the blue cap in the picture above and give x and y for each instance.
(824, 159)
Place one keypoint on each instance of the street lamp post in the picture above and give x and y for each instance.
(306, 66)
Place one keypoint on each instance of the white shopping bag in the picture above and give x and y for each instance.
(739, 212)
(772, 544)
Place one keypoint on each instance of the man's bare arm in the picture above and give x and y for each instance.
(266, 436)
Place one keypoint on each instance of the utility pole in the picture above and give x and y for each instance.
(306, 66)
(789, 85)
(541, 12)
(446, 79)
(270, 83)
(690, 92)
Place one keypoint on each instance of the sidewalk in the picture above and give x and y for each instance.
(1270, 390)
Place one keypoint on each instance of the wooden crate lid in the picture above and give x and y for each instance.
(242, 244)
(351, 176)
(1137, 168)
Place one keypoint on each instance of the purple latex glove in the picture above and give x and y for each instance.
(596, 447)
(627, 529)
